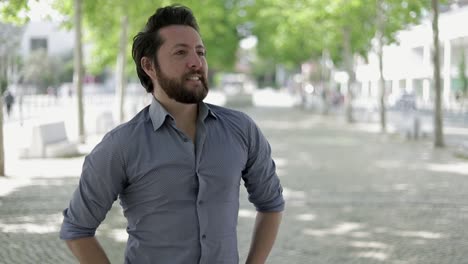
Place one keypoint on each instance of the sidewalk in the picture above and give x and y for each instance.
(353, 196)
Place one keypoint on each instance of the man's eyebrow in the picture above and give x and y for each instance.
(182, 45)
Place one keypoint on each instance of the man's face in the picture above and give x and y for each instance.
(181, 69)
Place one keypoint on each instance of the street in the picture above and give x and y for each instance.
(352, 196)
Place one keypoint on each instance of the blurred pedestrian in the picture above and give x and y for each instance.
(8, 100)
(177, 165)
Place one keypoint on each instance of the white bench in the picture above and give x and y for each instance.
(49, 140)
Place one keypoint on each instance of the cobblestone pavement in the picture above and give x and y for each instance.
(353, 196)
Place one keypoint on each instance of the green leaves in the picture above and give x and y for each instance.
(295, 31)
(14, 11)
(218, 21)
(288, 32)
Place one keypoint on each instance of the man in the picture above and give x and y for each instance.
(177, 165)
(8, 99)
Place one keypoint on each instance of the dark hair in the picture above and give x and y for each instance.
(147, 42)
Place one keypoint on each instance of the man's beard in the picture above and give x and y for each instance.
(175, 88)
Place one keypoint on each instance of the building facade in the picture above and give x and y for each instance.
(46, 35)
(408, 67)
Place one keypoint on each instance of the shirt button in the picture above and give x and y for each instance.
(200, 202)
(203, 237)
(186, 139)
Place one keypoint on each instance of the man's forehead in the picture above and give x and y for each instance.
(180, 35)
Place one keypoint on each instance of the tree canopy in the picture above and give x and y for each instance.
(288, 32)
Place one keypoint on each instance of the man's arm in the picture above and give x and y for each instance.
(102, 179)
(264, 235)
(88, 251)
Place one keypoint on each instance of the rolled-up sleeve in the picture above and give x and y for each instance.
(259, 175)
(103, 178)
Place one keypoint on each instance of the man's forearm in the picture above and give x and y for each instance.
(264, 235)
(88, 251)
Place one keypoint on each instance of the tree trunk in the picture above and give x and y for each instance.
(438, 125)
(348, 58)
(324, 82)
(121, 81)
(2, 150)
(78, 69)
(380, 36)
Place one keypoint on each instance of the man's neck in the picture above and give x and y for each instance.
(185, 115)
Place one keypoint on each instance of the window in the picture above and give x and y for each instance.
(38, 43)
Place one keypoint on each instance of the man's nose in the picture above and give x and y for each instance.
(194, 61)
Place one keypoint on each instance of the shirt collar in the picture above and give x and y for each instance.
(204, 110)
(158, 113)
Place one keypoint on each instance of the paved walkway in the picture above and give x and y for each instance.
(353, 196)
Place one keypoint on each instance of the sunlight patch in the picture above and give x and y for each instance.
(373, 255)
(340, 229)
(345, 228)
(288, 194)
(29, 228)
(419, 234)
(306, 217)
(51, 224)
(459, 168)
(8, 186)
(369, 244)
(460, 131)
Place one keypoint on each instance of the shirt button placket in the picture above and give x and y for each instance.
(201, 209)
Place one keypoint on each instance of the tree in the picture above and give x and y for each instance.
(438, 124)
(301, 30)
(2, 147)
(10, 38)
(78, 67)
(40, 70)
(13, 11)
(284, 30)
(123, 20)
(391, 17)
(463, 95)
(220, 22)
(353, 25)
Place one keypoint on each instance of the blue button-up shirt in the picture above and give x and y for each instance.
(180, 198)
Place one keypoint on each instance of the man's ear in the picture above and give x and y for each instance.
(148, 67)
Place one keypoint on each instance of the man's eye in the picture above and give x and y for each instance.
(180, 52)
(202, 53)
